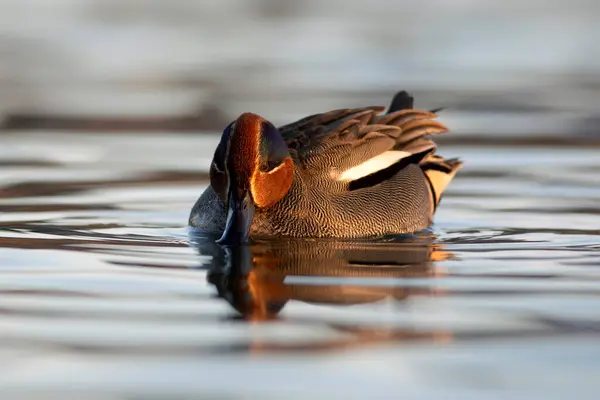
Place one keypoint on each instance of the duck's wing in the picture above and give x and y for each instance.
(362, 147)
(360, 141)
(321, 133)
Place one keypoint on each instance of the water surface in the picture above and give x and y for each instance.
(104, 292)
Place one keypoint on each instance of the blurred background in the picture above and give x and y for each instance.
(110, 111)
(503, 68)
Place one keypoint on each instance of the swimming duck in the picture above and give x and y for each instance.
(347, 173)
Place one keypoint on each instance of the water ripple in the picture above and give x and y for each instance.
(98, 271)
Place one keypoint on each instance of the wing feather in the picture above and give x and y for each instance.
(348, 144)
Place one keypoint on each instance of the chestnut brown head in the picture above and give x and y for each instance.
(251, 169)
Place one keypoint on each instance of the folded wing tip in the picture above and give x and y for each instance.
(401, 101)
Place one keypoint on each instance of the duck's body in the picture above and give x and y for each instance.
(346, 173)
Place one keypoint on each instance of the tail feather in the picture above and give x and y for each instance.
(416, 127)
(440, 173)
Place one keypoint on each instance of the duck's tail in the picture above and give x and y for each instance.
(439, 173)
(416, 127)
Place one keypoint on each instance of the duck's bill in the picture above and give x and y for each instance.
(239, 219)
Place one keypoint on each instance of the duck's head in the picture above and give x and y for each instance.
(251, 169)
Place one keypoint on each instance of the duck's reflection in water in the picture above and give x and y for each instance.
(258, 280)
(261, 279)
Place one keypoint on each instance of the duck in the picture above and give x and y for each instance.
(347, 173)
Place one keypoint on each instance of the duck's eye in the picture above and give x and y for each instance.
(269, 187)
(271, 165)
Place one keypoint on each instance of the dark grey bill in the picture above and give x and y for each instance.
(239, 219)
